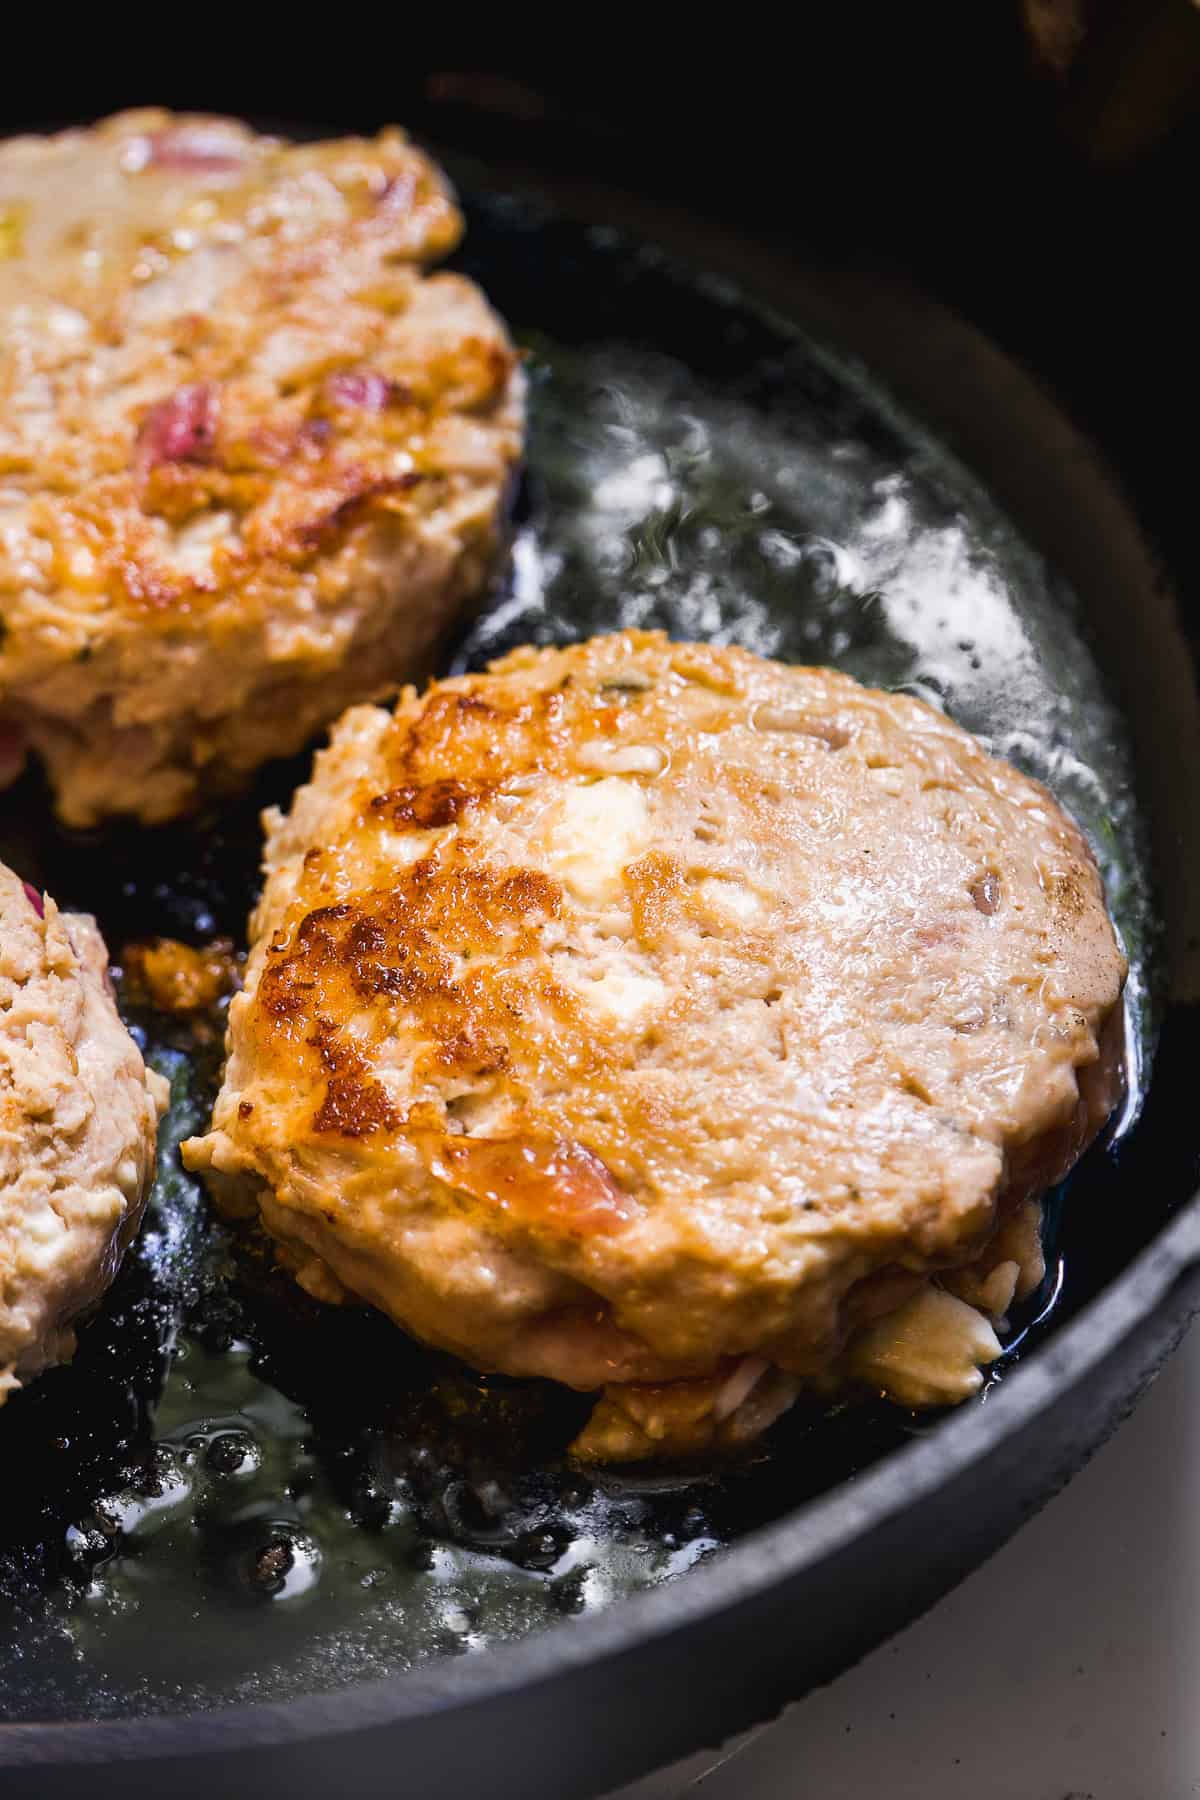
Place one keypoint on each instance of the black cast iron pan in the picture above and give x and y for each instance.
(245, 1541)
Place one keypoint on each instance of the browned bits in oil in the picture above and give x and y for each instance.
(985, 892)
(176, 978)
(271, 1567)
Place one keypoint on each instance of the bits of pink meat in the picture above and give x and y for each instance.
(366, 388)
(181, 428)
(203, 148)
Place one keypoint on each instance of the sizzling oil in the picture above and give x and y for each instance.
(233, 1493)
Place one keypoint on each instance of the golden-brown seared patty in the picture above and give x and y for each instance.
(251, 456)
(79, 1115)
(645, 1013)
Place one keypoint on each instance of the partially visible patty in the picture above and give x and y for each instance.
(252, 458)
(79, 1115)
(645, 1013)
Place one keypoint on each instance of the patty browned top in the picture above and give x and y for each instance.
(636, 1007)
(251, 455)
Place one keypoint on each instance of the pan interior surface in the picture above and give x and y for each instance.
(235, 1495)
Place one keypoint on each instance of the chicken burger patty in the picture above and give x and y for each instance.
(251, 457)
(79, 1116)
(658, 1018)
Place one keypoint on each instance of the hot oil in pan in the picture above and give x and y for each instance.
(234, 1493)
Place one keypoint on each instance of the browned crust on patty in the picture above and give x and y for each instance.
(632, 1009)
(245, 443)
